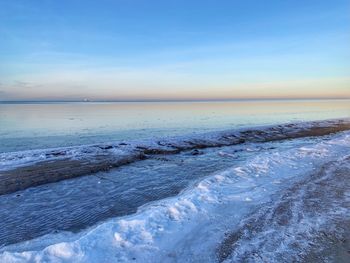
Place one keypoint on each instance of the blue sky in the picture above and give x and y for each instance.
(124, 49)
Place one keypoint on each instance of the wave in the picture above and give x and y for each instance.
(20, 170)
(190, 226)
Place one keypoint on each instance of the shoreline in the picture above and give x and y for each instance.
(178, 227)
(61, 164)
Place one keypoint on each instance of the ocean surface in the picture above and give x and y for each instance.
(203, 181)
(27, 126)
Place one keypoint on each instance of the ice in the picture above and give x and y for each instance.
(168, 145)
(190, 225)
(307, 218)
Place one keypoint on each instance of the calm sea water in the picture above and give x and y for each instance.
(25, 126)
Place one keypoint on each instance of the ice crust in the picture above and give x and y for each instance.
(190, 226)
(136, 150)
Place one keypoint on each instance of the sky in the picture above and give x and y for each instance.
(174, 50)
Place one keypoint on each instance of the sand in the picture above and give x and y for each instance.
(311, 219)
(62, 168)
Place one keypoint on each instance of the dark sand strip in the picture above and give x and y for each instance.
(57, 170)
(60, 168)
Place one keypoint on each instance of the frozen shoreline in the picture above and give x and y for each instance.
(178, 228)
(308, 219)
(20, 170)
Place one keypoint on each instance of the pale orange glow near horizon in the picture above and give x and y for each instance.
(301, 89)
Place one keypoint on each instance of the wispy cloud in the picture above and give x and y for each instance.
(22, 84)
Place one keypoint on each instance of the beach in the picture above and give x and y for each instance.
(273, 192)
(310, 217)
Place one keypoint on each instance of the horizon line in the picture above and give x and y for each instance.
(167, 100)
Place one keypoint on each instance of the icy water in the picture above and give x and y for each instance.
(25, 126)
(250, 201)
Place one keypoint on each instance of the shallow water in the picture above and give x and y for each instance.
(46, 125)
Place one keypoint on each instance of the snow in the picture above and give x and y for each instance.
(191, 224)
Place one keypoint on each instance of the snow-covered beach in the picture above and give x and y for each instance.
(190, 199)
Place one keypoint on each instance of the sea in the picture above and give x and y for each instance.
(34, 125)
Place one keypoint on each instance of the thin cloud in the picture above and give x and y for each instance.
(4, 95)
(22, 84)
(19, 84)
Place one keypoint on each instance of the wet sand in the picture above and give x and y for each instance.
(63, 168)
(310, 222)
(331, 247)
